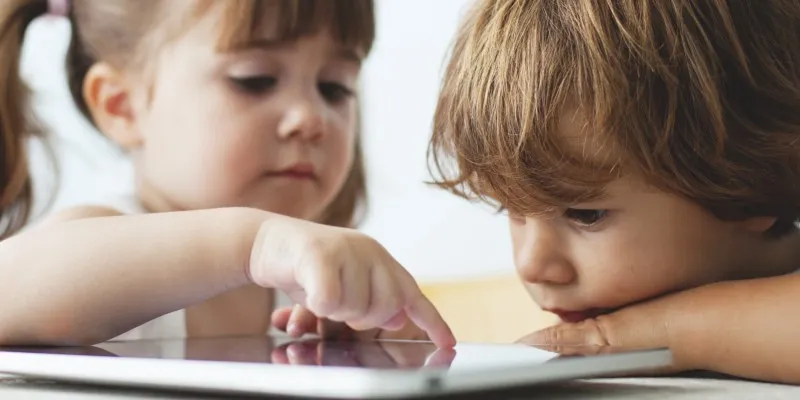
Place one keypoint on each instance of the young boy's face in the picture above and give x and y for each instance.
(636, 243)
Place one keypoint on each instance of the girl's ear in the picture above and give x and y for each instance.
(108, 98)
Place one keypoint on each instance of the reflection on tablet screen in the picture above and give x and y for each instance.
(265, 349)
(315, 352)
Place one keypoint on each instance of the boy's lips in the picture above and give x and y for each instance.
(570, 316)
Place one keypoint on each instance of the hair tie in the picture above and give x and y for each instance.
(58, 8)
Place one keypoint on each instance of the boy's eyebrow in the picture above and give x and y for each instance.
(345, 54)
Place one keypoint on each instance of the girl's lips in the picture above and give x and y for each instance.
(293, 175)
(297, 171)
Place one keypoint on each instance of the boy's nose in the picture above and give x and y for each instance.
(539, 255)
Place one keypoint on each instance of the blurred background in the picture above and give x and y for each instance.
(459, 252)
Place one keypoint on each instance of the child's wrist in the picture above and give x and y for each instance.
(239, 235)
(691, 326)
(271, 232)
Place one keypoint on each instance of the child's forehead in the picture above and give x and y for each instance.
(583, 139)
(242, 23)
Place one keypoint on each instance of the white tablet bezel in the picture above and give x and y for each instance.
(315, 381)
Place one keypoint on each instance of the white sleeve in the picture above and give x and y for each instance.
(169, 326)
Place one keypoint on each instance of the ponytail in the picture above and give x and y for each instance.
(15, 121)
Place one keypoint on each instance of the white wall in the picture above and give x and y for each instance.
(433, 234)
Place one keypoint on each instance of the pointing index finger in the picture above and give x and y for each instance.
(422, 312)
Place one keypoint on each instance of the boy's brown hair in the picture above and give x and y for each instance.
(699, 97)
(125, 33)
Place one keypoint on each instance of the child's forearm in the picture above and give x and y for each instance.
(746, 328)
(89, 280)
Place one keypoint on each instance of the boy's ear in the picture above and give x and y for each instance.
(758, 225)
(109, 100)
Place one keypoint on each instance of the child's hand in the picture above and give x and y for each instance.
(342, 275)
(298, 321)
(658, 323)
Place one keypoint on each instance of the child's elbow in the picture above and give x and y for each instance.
(23, 332)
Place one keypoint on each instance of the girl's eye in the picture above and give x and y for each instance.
(585, 217)
(254, 84)
(334, 92)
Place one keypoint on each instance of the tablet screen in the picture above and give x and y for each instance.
(329, 369)
(315, 352)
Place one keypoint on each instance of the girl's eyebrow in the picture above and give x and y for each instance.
(350, 55)
(345, 54)
(263, 44)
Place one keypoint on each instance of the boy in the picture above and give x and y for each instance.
(647, 154)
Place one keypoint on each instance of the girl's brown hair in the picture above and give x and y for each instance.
(126, 33)
(701, 97)
(15, 122)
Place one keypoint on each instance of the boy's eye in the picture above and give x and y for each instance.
(585, 217)
(254, 84)
(334, 92)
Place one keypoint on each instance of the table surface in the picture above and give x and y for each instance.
(627, 388)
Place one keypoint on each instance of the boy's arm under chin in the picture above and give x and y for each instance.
(748, 328)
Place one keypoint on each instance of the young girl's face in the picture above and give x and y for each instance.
(270, 125)
(636, 243)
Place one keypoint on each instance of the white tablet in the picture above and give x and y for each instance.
(313, 368)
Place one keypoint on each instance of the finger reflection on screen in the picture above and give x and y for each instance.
(367, 354)
(441, 358)
(381, 354)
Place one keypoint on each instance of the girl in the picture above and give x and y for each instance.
(647, 153)
(240, 118)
